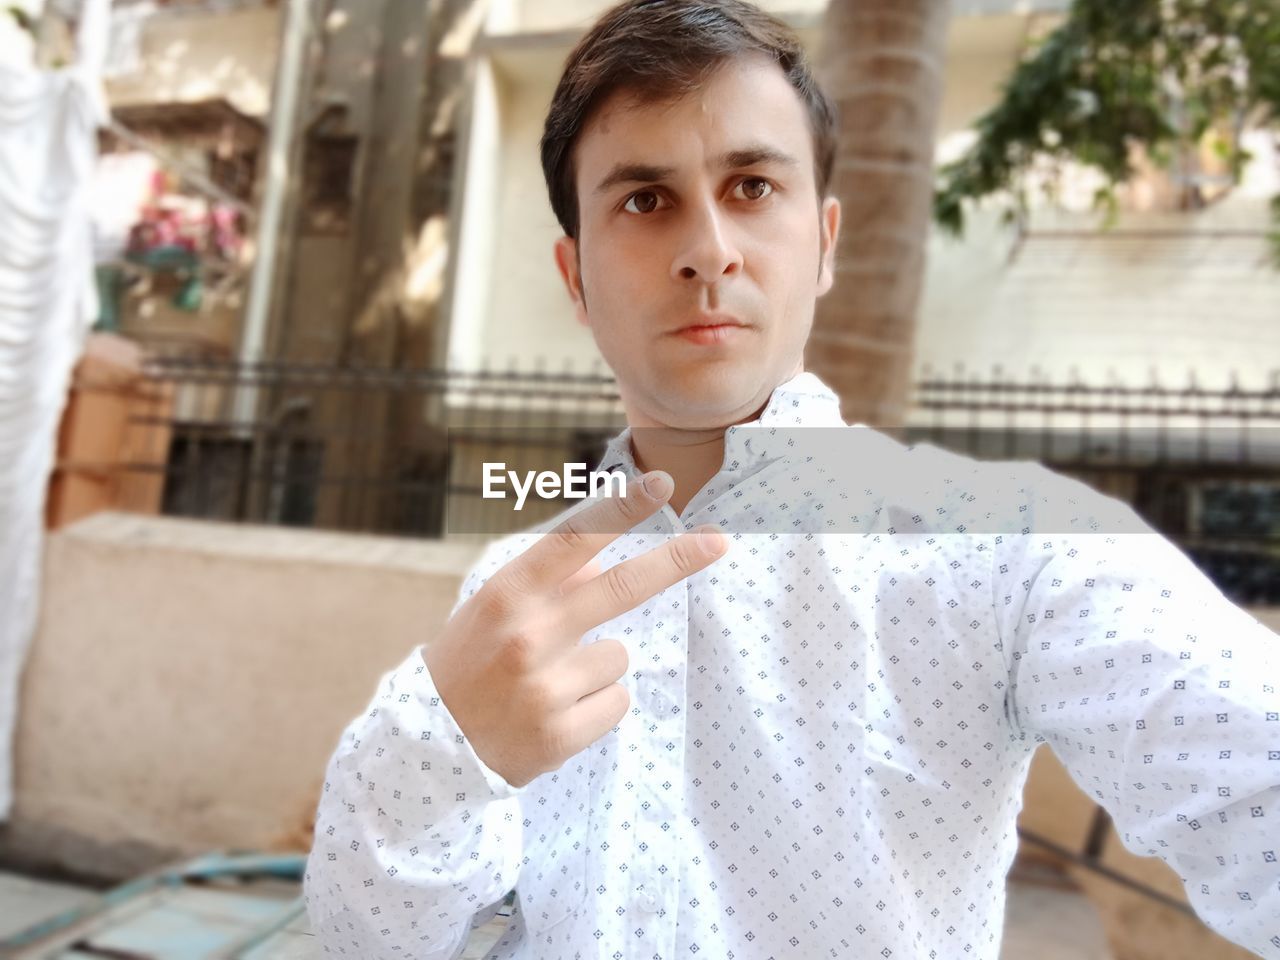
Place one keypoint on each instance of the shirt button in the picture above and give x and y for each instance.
(648, 901)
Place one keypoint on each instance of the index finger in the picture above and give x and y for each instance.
(564, 549)
(627, 585)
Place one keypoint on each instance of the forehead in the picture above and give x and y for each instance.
(746, 100)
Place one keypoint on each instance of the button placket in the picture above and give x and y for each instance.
(659, 790)
(674, 523)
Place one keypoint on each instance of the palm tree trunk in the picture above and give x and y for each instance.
(883, 65)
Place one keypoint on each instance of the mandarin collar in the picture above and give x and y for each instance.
(802, 401)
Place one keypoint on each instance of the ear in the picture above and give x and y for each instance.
(829, 224)
(566, 252)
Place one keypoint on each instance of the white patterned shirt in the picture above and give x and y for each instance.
(830, 729)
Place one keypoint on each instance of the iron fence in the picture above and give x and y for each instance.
(399, 451)
(1201, 465)
(372, 450)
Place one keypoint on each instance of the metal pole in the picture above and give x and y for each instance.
(284, 111)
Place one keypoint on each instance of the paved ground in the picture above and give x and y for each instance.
(24, 902)
(1042, 922)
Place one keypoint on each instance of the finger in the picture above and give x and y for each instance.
(564, 549)
(629, 584)
(586, 669)
(590, 569)
(595, 715)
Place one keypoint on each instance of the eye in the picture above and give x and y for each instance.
(642, 201)
(753, 188)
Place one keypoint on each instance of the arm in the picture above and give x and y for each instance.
(414, 834)
(1160, 698)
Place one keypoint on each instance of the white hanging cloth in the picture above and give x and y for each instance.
(48, 145)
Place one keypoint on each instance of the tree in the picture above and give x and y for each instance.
(1164, 79)
(883, 65)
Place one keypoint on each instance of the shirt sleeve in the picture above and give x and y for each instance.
(1156, 693)
(414, 834)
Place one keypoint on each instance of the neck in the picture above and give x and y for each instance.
(691, 456)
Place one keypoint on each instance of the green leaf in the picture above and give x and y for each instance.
(1159, 75)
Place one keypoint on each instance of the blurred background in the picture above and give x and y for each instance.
(276, 276)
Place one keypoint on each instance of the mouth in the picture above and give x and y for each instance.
(711, 329)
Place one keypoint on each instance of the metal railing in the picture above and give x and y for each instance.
(1201, 465)
(372, 450)
(398, 451)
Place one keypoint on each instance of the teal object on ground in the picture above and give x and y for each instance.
(171, 258)
(178, 260)
(225, 906)
(190, 294)
(110, 281)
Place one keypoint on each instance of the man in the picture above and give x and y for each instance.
(761, 708)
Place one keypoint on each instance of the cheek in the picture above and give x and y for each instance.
(620, 273)
(791, 237)
(788, 268)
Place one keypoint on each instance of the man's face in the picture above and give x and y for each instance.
(700, 211)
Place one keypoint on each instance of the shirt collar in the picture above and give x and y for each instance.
(802, 401)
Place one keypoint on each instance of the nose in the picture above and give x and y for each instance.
(708, 251)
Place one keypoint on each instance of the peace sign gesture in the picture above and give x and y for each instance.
(509, 665)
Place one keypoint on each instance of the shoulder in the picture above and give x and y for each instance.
(962, 492)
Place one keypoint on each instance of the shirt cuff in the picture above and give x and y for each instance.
(445, 727)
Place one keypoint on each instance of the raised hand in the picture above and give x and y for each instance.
(509, 665)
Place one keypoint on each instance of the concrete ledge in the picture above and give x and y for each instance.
(189, 681)
(274, 544)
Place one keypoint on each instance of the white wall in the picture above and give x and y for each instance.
(1163, 291)
(192, 56)
(547, 16)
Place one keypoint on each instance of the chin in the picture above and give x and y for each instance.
(712, 398)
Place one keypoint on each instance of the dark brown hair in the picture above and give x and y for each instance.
(660, 50)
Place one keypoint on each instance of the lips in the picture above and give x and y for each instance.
(707, 334)
(710, 322)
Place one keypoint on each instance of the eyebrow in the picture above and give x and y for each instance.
(731, 160)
